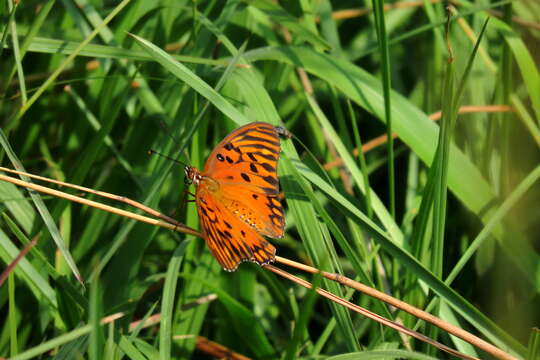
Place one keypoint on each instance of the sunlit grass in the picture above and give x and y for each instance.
(303, 65)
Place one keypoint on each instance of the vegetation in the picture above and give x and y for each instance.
(446, 221)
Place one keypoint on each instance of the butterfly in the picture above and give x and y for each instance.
(237, 195)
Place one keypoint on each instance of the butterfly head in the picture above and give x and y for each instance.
(193, 176)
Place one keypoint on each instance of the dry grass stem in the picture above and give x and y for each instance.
(354, 13)
(371, 315)
(13, 264)
(381, 140)
(420, 314)
(176, 226)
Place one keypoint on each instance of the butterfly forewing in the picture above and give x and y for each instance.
(247, 155)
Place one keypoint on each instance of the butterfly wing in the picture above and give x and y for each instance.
(245, 165)
(259, 210)
(229, 239)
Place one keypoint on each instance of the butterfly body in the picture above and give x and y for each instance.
(237, 195)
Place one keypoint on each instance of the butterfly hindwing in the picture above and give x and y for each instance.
(261, 211)
(230, 240)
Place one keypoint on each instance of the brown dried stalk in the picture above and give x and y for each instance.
(381, 140)
(169, 223)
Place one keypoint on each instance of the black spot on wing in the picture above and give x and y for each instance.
(245, 177)
(270, 179)
(268, 167)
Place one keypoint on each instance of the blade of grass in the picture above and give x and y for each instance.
(278, 15)
(525, 62)
(44, 212)
(361, 158)
(129, 349)
(50, 80)
(6, 31)
(55, 46)
(413, 127)
(292, 351)
(183, 73)
(241, 318)
(458, 303)
(14, 201)
(534, 345)
(379, 208)
(12, 316)
(28, 39)
(17, 53)
(30, 275)
(382, 354)
(60, 340)
(95, 350)
(167, 304)
(451, 101)
(382, 36)
(503, 210)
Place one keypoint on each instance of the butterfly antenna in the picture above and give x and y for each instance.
(167, 129)
(154, 152)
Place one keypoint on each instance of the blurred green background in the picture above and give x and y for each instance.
(82, 101)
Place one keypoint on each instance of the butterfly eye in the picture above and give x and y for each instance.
(192, 175)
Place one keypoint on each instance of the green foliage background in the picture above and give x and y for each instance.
(83, 101)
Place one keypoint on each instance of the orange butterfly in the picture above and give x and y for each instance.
(237, 195)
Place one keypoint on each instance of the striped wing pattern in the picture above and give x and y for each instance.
(237, 196)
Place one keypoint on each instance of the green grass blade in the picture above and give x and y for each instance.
(94, 316)
(53, 343)
(279, 15)
(17, 54)
(458, 303)
(525, 62)
(183, 73)
(55, 46)
(504, 209)
(12, 316)
(534, 345)
(412, 126)
(378, 207)
(130, 350)
(167, 305)
(382, 354)
(67, 61)
(310, 230)
(382, 36)
(240, 318)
